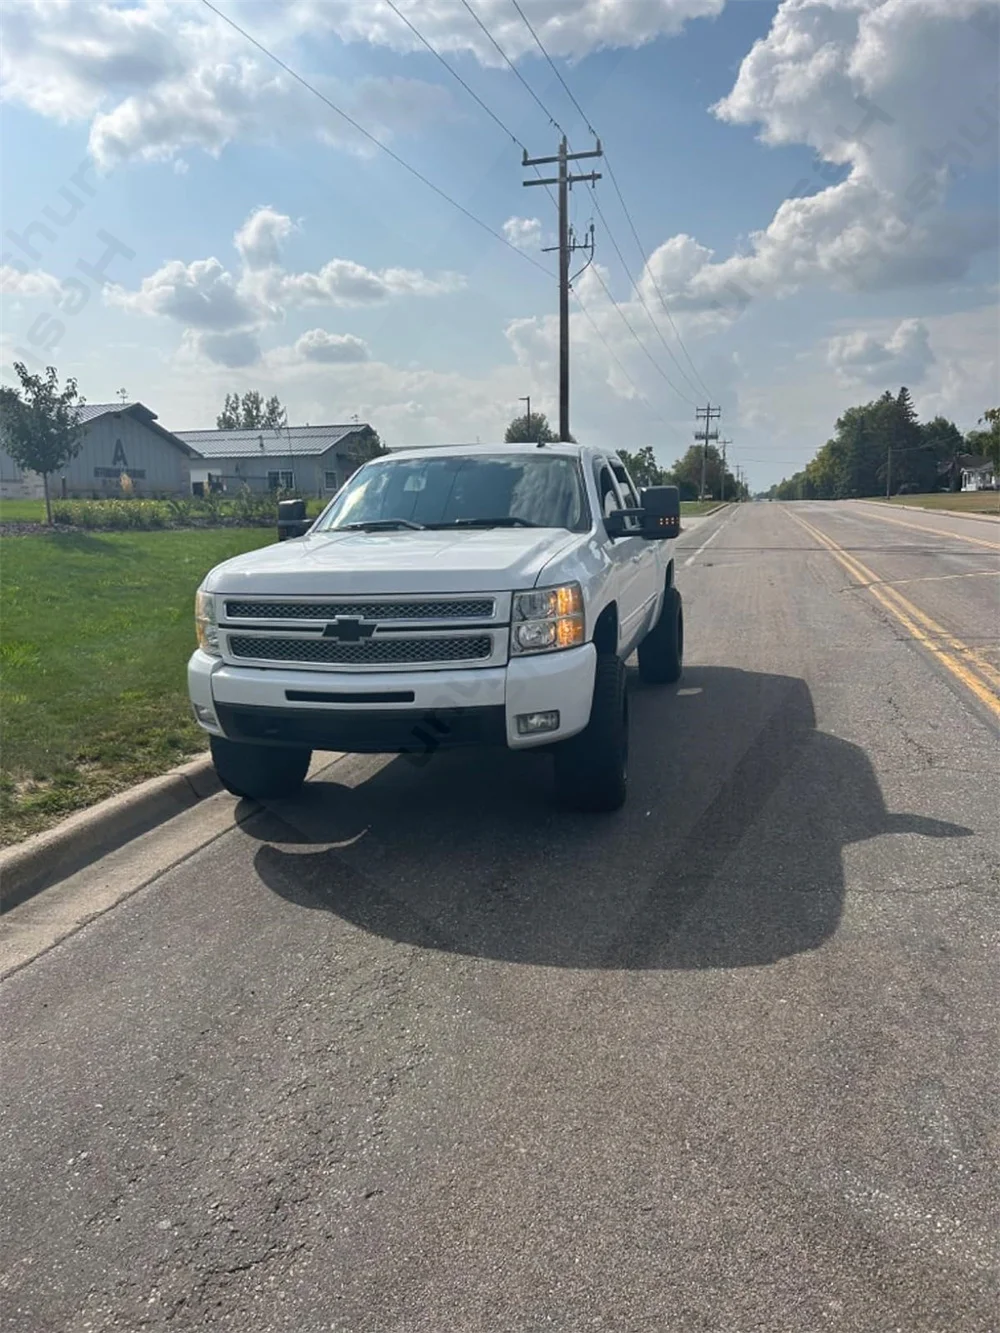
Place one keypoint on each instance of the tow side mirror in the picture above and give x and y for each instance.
(661, 512)
(292, 521)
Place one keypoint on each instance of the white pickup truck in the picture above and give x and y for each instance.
(469, 595)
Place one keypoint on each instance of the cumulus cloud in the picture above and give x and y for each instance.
(904, 357)
(525, 233)
(339, 348)
(200, 295)
(568, 28)
(260, 237)
(17, 281)
(159, 76)
(896, 99)
(227, 311)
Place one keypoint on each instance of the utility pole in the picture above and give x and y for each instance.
(527, 399)
(722, 494)
(888, 473)
(566, 246)
(708, 414)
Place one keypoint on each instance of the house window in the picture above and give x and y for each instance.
(281, 481)
(330, 481)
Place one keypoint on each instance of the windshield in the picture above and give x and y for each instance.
(488, 490)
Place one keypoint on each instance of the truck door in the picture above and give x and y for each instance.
(647, 558)
(626, 560)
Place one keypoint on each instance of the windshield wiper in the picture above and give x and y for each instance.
(507, 522)
(381, 525)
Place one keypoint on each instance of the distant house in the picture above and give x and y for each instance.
(118, 438)
(978, 474)
(313, 460)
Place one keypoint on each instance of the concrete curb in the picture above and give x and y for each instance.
(928, 509)
(41, 860)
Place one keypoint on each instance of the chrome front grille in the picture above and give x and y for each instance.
(388, 651)
(459, 608)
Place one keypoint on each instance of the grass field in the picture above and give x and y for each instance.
(97, 630)
(962, 502)
(693, 508)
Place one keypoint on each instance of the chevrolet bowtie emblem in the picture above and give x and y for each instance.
(348, 629)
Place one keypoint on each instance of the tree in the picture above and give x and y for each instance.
(686, 475)
(251, 412)
(530, 430)
(367, 445)
(40, 423)
(643, 468)
(986, 442)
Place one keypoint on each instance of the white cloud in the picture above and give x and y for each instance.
(567, 28)
(525, 233)
(260, 237)
(899, 95)
(330, 348)
(159, 76)
(228, 311)
(201, 295)
(17, 281)
(904, 357)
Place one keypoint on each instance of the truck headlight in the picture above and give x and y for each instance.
(547, 619)
(205, 623)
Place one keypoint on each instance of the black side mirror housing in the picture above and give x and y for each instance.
(292, 521)
(661, 512)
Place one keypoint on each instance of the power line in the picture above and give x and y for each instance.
(638, 392)
(614, 181)
(554, 68)
(454, 73)
(652, 278)
(484, 226)
(642, 301)
(512, 67)
(645, 350)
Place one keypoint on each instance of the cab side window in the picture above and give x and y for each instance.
(607, 490)
(629, 493)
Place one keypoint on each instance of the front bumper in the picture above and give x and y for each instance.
(394, 711)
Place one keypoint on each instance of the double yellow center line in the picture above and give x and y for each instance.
(968, 666)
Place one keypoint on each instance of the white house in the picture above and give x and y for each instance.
(979, 474)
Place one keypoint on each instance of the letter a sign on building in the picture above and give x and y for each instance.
(119, 459)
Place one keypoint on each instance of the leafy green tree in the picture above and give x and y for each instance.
(251, 412)
(986, 442)
(686, 476)
(530, 430)
(40, 423)
(365, 446)
(643, 468)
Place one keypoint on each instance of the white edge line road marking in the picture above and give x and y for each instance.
(692, 558)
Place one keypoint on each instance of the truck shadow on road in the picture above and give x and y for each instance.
(728, 854)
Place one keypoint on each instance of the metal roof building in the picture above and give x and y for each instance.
(314, 460)
(117, 439)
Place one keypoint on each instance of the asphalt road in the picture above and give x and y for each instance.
(421, 1053)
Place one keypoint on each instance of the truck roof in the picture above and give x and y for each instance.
(566, 449)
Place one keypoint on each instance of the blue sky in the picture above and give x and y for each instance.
(742, 135)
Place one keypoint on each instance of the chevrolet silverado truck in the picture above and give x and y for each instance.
(447, 596)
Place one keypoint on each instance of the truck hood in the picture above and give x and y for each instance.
(329, 563)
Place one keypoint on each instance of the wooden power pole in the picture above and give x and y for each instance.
(566, 246)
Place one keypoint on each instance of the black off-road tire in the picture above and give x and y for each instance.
(592, 767)
(661, 653)
(260, 772)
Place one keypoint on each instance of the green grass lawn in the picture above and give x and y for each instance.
(693, 508)
(96, 632)
(962, 502)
